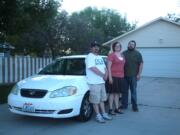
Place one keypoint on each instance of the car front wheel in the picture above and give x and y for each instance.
(86, 109)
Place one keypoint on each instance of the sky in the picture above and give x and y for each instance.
(141, 11)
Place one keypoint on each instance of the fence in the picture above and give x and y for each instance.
(13, 69)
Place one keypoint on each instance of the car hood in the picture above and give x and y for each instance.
(50, 82)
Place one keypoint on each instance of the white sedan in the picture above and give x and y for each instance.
(59, 90)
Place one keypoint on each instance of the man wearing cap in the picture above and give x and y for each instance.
(96, 74)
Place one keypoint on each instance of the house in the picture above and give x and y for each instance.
(5, 49)
(159, 43)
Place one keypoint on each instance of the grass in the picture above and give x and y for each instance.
(4, 91)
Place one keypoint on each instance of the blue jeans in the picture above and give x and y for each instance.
(130, 82)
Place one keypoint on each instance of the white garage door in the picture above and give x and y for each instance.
(161, 62)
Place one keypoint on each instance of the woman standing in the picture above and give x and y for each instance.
(116, 63)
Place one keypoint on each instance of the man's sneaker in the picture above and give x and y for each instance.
(100, 119)
(106, 116)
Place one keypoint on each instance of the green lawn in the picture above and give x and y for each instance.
(4, 91)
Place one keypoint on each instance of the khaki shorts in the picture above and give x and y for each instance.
(97, 93)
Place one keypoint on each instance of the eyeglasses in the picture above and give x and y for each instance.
(118, 46)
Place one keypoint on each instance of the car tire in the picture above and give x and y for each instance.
(86, 109)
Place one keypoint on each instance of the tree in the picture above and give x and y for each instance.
(8, 9)
(55, 34)
(81, 33)
(38, 26)
(110, 22)
(30, 25)
(92, 24)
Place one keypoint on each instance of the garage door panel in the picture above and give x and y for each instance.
(161, 62)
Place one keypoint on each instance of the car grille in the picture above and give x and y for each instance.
(37, 111)
(33, 93)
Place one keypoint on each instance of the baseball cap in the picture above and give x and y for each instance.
(93, 44)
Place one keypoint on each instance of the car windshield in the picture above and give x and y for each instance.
(65, 67)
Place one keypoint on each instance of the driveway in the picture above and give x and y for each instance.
(159, 105)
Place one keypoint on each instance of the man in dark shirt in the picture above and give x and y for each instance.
(133, 68)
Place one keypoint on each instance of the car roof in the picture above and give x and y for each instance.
(75, 56)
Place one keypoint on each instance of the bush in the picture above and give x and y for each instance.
(4, 91)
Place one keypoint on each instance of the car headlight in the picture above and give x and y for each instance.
(15, 90)
(63, 92)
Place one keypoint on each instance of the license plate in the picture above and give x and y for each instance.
(28, 107)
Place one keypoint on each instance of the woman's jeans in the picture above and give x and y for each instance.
(130, 82)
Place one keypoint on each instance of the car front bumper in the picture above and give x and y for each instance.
(62, 107)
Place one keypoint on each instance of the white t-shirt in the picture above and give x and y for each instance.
(97, 61)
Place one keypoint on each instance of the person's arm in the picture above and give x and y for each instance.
(109, 72)
(106, 74)
(140, 71)
(97, 71)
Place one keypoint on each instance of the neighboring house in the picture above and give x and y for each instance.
(159, 43)
(5, 49)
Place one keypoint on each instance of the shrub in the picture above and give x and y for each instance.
(4, 91)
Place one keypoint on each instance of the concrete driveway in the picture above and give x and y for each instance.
(159, 105)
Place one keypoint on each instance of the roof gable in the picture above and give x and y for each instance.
(142, 27)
